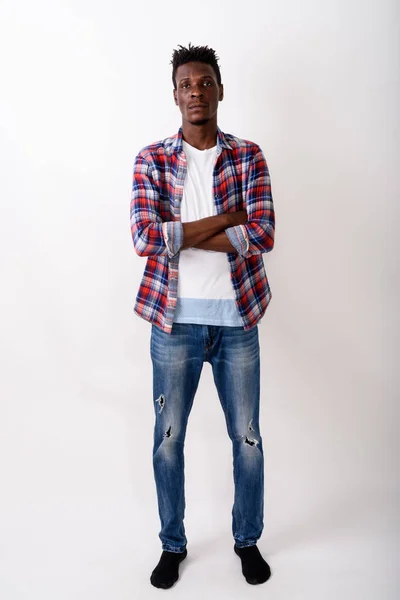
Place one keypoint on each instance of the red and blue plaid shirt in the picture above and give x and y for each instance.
(240, 181)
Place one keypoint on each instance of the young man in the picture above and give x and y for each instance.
(202, 213)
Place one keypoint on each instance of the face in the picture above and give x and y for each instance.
(197, 92)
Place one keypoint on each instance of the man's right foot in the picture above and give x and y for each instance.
(167, 571)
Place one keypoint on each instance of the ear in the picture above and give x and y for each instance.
(221, 92)
(175, 97)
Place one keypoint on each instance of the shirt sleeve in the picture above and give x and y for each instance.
(151, 236)
(257, 235)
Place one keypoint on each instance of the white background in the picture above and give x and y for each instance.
(84, 85)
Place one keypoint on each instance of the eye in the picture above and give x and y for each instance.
(208, 83)
(184, 85)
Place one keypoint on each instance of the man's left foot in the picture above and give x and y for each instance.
(254, 567)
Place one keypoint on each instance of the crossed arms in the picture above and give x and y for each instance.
(209, 233)
(244, 232)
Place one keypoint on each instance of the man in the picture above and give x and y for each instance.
(202, 208)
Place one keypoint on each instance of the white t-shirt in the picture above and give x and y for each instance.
(205, 291)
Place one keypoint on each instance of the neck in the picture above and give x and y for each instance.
(201, 137)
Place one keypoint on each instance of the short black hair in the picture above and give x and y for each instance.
(202, 54)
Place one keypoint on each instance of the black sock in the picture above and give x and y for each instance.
(254, 567)
(167, 571)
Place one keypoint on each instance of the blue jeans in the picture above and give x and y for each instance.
(178, 360)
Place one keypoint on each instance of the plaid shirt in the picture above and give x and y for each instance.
(240, 181)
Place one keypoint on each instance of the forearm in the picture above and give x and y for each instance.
(218, 243)
(196, 232)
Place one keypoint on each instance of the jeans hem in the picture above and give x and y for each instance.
(245, 544)
(178, 549)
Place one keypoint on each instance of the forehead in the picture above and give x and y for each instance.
(195, 69)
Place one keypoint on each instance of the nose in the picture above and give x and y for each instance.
(197, 91)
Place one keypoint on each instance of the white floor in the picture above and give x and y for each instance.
(78, 552)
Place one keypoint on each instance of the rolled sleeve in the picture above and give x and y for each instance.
(239, 238)
(173, 237)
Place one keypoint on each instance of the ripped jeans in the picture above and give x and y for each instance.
(177, 364)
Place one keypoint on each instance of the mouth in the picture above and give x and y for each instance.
(197, 106)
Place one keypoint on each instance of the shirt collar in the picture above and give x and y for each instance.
(176, 145)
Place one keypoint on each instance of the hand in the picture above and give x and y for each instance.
(237, 218)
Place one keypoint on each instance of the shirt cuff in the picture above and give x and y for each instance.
(173, 237)
(239, 239)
